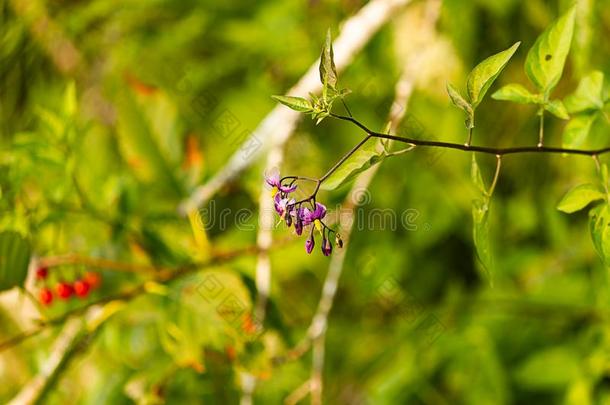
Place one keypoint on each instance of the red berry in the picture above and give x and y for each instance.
(81, 288)
(64, 290)
(42, 273)
(93, 279)
(46, 296)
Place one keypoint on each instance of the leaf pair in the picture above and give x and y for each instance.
(586, 104)
(319, 108)
(544, 66)
(580, 197)
(479, 81)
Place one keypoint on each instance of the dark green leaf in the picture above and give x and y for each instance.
(579, 197)
(15, 254)
(485, 73)
(545, 60)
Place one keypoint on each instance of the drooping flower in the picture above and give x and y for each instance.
(274, 181)
(298, 220)
(310, 216)
(327, 247)
(309, 244)
(283, 205)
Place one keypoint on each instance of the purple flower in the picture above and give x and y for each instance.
(309, 244)
(283, 205)
(274, 181)
(327, 247)
(298, 220)
(310, 216)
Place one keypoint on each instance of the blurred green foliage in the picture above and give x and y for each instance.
(113, 111)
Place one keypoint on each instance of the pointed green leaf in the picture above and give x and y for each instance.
(579, 197)
(557, 108)
(599, 227)
(480, 234)
(460, 102)
(475, 175)
(545, 60)
(577, 130)
(15, 254)
(369, 155)
(548, 369)
(516, 93)
(588, 94)
(485, 73)
(296, 103)
(328, 71)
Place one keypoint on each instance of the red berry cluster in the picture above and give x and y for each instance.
(65, 290)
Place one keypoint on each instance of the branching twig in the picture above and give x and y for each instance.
(277, 126)
(162, 276)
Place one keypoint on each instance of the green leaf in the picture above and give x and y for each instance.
(475, 175)
(516, 93)
(459, 101)
(15, 254)
(480, 234)
(485, 73)
(579, 197)
(599, 227)
(299, 104)
(551, 368)
(588, 95)
(577, 130)
(369, 155)
(328, 71)
(545, 60)
(142, 147)
(557, 108)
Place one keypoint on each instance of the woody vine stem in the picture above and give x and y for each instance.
(498, 152)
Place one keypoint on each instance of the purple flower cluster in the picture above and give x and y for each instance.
(295, 213)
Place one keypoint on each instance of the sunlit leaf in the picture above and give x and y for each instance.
(459, 101)
(15, 254)
(577, 130)
(365, 157)
(485, 73)
(328, 71)
(516, 93)
(588, 94)
(296, 103)
(545, 60)
(579, 197)
(557, 108)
